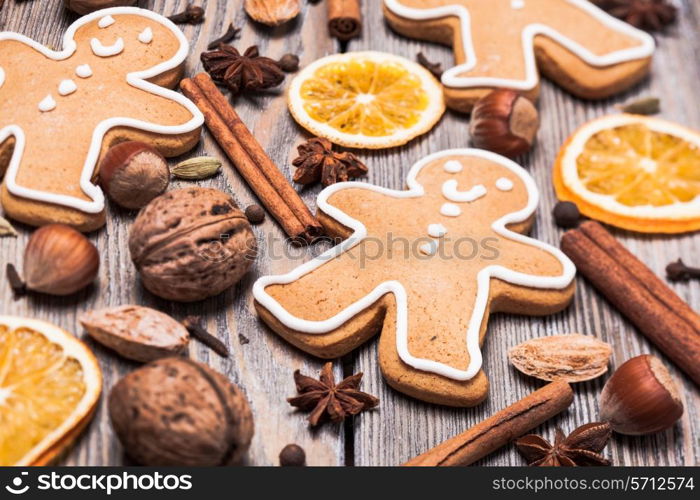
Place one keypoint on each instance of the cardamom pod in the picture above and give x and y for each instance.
(6, 228)
(197, 168)
(645, 106)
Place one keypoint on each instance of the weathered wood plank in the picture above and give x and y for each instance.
(263, 367)
(403, 427)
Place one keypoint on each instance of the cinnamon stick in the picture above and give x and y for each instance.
(344, 19)
(499, 429)
(647, 302)
(251, 161)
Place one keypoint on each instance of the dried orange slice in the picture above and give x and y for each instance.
(635, 172)
(366, 99)
(50, 383)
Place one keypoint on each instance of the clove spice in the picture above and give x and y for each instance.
(678, 271)
(193, 14)
(231, 33)
(194, 326)
(434, 67)
(644, 106)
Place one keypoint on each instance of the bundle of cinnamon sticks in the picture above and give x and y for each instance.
(661, 315)
(245, 152)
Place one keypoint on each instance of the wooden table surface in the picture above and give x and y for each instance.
(401, 427)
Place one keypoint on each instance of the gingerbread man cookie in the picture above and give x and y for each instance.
(503, 43)
(59, 111)
(426, 267)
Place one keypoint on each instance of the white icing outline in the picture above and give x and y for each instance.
(47, 104)
(572, 182)
(450, 191)
(483, 278)
(146, 36)
(504, 184)
(136, 79)
(106, 22)
(67, 87)
(107, 50)
(83, 71)
(450, 210)
(451, 78)
(2, 76)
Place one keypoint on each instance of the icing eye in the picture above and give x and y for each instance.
(146, 36)
(453, 166)
(106, 21)
(504, 184)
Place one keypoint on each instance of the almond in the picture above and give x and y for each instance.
(570, 358)
(272, 12)
(136, 332)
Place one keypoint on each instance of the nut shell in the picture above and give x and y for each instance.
(190, 244)
(136, 332)
(177, 412)
(59, 260)
(87, 6)
(641, 397)
(504, 122)
(132, 173)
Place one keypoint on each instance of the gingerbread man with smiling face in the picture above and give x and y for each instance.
(503, 44)
(59, 111)
(425, 267)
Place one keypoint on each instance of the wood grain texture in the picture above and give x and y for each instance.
(402, 427)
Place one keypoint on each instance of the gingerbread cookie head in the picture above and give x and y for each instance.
(425, 266)
(503, 43)
(60, 110)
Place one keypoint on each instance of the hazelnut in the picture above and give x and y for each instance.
(59, 260)
(190, 244)
(177, 412)
(132, 173)
(87, 6)
(641, 397)
(504, 122)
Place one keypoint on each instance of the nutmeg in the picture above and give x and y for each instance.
(504, 122)
(132, 173)
(59, 260)
(190, 244)
(87, 6)
(641, 397)
(177, 412)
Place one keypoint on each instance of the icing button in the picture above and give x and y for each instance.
(67, 87)
(429, 248)
(450, 210)
(47, 104)
(437, 230)
(84, 71)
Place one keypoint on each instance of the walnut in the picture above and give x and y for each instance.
(177, 412)
(190, 244)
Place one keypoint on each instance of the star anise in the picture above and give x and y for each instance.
(317, 161)
(650, 15)
(249, 71)
(581, 447)
(326, 399)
